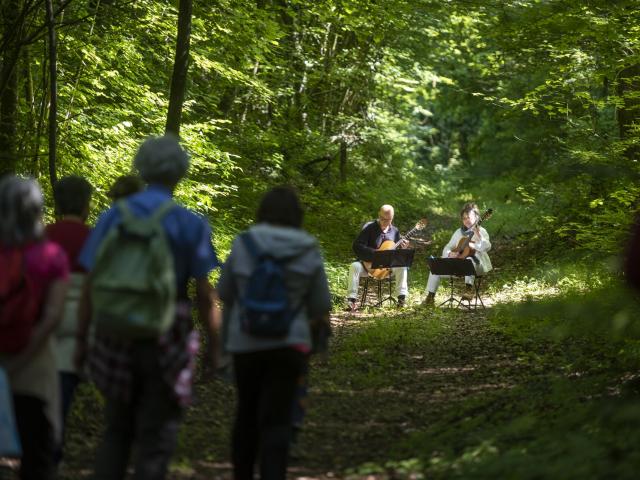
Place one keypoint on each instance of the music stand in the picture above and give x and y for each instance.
(455, 267)
(401, 257)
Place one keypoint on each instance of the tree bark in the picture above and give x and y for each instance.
(343, 160)
(628, 85)
(180, 68)
(9, 86)
(53, 89)
(629, 114)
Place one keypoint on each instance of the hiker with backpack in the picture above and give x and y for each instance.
(275, 294)
(33, 285)
(72, 195)
(140, 256)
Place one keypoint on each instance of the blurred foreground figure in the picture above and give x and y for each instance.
(275, 295)
(72, 196)
(33, 283)
(140, 256)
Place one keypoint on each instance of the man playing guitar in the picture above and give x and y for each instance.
(471, 241)
(372, 235)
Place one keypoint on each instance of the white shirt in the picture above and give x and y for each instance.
(482, 246)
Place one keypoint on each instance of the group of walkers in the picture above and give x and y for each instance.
(113, 301)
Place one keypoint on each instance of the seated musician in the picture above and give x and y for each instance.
(470, 216)
(370, 238)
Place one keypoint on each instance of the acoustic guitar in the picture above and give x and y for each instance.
(381, 273)
(463, 249)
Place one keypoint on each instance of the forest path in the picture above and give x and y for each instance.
(397, 384)
(390, 375)
(395, 378)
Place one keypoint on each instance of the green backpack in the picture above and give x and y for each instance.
(133, 288)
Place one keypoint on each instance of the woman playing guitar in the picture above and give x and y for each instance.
(470, 241)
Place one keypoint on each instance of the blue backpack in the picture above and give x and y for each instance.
(267, 310)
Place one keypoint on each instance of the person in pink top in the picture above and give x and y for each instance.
(32, 367)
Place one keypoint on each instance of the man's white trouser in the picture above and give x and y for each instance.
(434, 282)
(357, 270)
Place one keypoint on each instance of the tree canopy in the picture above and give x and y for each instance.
(531, 107)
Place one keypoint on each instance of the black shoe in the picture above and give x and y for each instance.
(401, 301)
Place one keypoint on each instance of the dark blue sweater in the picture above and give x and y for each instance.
(370, 239)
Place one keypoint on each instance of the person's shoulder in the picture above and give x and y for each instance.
(108, 214)
(46, 251)
(369, 225)
(187, 215)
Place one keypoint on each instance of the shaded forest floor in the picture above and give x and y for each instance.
(388, 378)
(434, 393)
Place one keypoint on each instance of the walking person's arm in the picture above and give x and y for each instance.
(84, 321)
(49, 319)
(209, 315)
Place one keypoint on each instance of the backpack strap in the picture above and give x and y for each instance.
(11, 254)
(127, 216)
(157, 214)
(162, 210)
(250, 245)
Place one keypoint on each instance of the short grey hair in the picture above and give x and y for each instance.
(387, 209)
(21, 204)
(161, 160)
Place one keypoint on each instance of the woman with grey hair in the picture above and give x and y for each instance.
(32, 292)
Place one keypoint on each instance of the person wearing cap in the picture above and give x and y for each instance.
(147, 383)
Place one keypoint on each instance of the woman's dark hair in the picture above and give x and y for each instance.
(470, 207)
(124, 186)
(72, 195)
(280, 206)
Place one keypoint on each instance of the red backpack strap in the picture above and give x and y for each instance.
(14, 265)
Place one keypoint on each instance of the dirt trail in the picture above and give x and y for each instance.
(347, 424)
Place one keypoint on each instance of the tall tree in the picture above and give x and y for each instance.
(180, 68)
(11, 41)
(53, 92)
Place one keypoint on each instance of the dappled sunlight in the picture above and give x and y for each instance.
(524, 290)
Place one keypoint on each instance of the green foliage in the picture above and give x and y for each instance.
(525, 106)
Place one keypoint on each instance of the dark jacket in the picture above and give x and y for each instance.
(370, 239)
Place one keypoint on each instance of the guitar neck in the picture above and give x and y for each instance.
(406, 236)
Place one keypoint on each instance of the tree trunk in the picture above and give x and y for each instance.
(629, 114)
(628, 87)
(9, 86)
(180, 68)
(53, 88)
(343, 160)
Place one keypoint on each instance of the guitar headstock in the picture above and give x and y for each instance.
(420, 224)
(486, 215)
